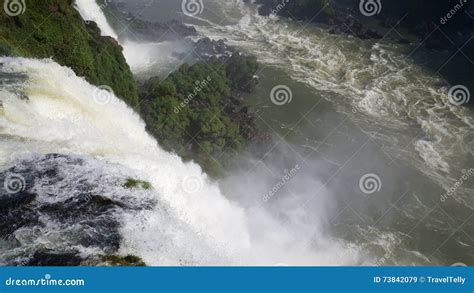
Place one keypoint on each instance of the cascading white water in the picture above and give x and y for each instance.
(60, 116)
(90, 10)
(372, 83)
(146, 59)
(199, 227)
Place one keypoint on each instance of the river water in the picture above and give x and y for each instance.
(358, 107)
(364, 146)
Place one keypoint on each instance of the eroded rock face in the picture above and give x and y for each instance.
(61, 210)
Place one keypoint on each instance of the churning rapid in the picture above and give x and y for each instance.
(423, 138)
(47, 109)
(396, 102)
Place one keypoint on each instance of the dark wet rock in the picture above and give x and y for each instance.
(206, 48)
(16, 212)
(50, 258)
(123, 261)
(70, 193)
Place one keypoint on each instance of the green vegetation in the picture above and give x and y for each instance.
(123, 261)
(195, 112)
(53, 28)
(135, 183)
(240, 73)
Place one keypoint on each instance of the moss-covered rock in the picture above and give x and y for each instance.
(53, 28)
(123, 261)
(135, 183)
(195, 112)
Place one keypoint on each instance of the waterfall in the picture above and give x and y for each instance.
(47, 109)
